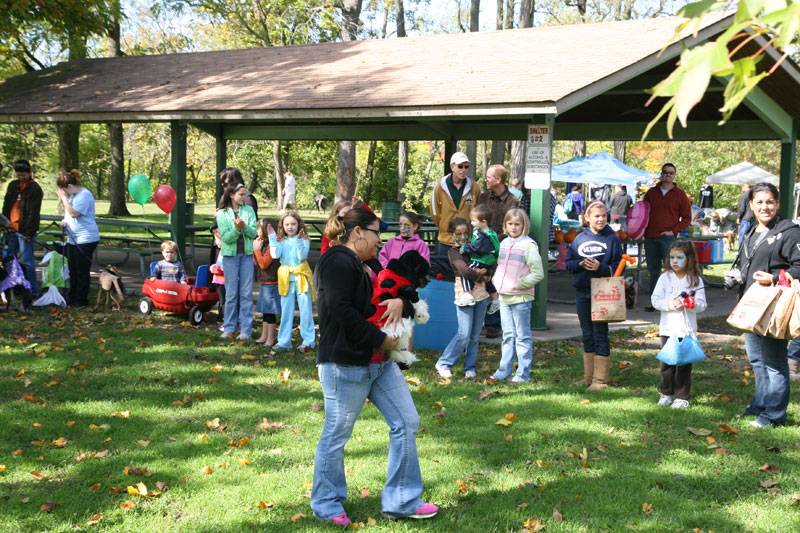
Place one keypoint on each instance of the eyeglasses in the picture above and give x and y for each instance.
(463, 166)
(375, 231)
(669, 172)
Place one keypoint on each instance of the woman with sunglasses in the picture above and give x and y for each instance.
(353, 368)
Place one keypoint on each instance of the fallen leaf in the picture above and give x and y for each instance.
(161, 485)
(222, 465)
(94, 520)
(768, 483)
(100, 455)
(721, 451)
(728, 429)
(142, 488)
(365, 493)
(48, 506)
(204, 436)
(503, 422)
(128, 505)
(462, 487)
(483, 395)
(557, 516)
(121, 414)
(647, 508)
(297, 517)
(207, 470)
(509, 438)
(584, 402)
(143, 443)
(532, 525)
(266, 505)
(244, 460)
(38, 475)
(316, 406)
(16, 452)
(95, 487)
(699, 432)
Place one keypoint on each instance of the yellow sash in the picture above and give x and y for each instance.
(304, 281)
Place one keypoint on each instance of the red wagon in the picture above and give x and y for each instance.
(194, 298)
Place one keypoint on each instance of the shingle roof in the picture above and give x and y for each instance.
(543, 68)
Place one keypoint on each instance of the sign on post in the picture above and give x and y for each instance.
(537, 156)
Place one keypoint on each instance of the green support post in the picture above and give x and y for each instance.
(540, 232)
(222, 162)
(177, 219)
(788, 165)
(450, 147)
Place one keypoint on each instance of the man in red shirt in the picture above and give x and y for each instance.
(670, 214)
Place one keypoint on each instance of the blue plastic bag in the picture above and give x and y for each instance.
(681, 352)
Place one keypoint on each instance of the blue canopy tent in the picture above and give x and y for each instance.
(601, 167)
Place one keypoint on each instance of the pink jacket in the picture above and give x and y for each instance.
(511, 266)
(397, 246)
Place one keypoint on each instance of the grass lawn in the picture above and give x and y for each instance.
(95, 405)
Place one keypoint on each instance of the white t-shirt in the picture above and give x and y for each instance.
(83, 227)
(290, 185)
(668, 287)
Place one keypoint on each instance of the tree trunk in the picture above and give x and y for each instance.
(277, 164)
(485, 157)
(401, 19)
(500, 6)
(370, 173)
(434, 153)
(402, 170)
(620, 150)
(508, 16)
(68, 146)
(253, 185)
(579, 150)
(346, 172)
(498, 156)
(526, 10)
(116, 134)
(517, 165)
(474, 15)
(472, 153)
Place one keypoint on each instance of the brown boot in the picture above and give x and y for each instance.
(602, 366)
(794, 370)
(588, 369)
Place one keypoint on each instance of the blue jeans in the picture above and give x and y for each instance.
(16, 243)
(345, 389)
(656, 251)
(238, 271)
(470, 322)
(517, 341)
(593, 334)
(307, 332)
(744, 226)
(771, 373)
(794, 349)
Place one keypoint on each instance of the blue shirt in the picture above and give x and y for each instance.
(83, 228)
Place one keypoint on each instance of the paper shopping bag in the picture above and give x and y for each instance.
(793, 331)
(782, 313)
(754, 310)
(608, 299)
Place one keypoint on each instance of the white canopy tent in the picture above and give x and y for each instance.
(742, 173)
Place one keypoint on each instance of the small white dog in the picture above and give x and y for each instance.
(401, 332)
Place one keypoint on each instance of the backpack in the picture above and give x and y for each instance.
(569, 205)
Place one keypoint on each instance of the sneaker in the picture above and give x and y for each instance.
(680, 404)
(426, 510)
(443, 371)
(758, 423)
(243, 337)
(516, 379)
(665, 400)
(342, 520)
(491, 380)
(494, 307)
(221, 329)
(470, 374)
(305, 349)
(465, 300)
(226, 335)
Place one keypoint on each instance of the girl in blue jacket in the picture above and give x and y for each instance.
(595, 253)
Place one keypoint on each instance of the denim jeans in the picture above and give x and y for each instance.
(470, 322)
(744, 226)
(238, 271)
(593, 334)
(307, 332)
(16, 243)
(771, 374)
(794, 349)
(517, 341)
(345, 389)
(656, 252)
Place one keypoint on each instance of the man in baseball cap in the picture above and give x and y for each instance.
(454, 196)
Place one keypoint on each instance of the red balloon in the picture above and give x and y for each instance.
(165, 198)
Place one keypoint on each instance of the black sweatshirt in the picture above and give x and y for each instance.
(344, 291)
(780, 249)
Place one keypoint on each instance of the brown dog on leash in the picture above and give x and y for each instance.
(109, 279)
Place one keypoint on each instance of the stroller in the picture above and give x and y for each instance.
(12, 278)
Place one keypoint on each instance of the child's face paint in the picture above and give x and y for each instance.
(461, 234)
(677, 261)
(407, 229)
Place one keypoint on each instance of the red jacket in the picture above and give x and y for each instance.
(668, 212)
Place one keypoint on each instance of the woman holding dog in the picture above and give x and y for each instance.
(83, 235)
(771, 245)
(352, 369)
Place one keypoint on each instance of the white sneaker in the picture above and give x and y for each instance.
(680, 404)
(494, 307)
(469, 374)
(516, 379)
(665, 400)
(443, 371)
(465, 300)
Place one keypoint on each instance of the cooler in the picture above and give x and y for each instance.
(717, 251)
(703, 249)
(442, 326)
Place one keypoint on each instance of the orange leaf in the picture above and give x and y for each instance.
(364, 493)
(244, 460)
(207, 470)
(128, 505)
(222, 465)
(60, 442)
(48, 506)
(510, 417)
(728, 429)
(94, 520)
(297, 517)
(647, 508)
(95, 486)
(266, 505)
(16, 452)
(38, 475)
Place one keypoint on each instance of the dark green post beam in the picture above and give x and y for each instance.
(177, 219)
(222, 162)
(788, 165)
(540, 232)
(450, 147)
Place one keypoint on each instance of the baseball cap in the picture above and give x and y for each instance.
(458, 158)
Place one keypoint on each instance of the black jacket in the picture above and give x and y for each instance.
(344, 291)
(620, 203)
(30, 206)
(780, 249)
(744, 212)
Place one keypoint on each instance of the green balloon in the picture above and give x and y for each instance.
(139, 187)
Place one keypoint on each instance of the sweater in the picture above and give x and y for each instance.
(229, 234)
(668, 212)
(443, 210)
(604, 246)
(484, 247)
(499, 204)
(667, 288)
(343, 303)
(267, 271)
(519, 269)
(778, 250)
(397, 246)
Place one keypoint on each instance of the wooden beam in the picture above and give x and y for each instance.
(696, 130)
(177, 219)
(771, 113)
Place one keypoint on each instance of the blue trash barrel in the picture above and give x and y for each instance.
(442, 326)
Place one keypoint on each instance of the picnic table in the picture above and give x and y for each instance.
(143, 247)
